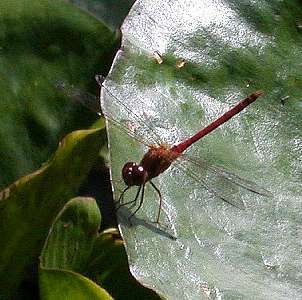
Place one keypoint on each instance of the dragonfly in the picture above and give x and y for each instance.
(159, 157)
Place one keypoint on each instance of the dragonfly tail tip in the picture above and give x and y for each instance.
(258, 94)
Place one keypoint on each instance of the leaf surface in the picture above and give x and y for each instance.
(229, 50)
(67, 252)
(29, 206)
(72, 236)
(63, 284)
(41, 43)
(111, 11)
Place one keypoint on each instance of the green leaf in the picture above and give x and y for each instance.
(59, 284)
(72, 236)
(29, 206)
(111, 12)
(41, 43)
(68, 249)
(230, 50)
(109, 268)
(74, 244)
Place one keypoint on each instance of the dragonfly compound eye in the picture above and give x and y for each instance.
(133, 174)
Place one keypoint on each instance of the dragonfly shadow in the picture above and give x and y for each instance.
(123, 217)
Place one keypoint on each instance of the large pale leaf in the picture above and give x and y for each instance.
(230, 49)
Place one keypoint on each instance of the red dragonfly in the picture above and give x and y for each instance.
(159, 157)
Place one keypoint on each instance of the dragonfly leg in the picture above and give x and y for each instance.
(129, 202)
(121, 197)
(142, 187)
(160, 201)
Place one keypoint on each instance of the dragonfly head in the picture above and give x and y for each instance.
(134, 174)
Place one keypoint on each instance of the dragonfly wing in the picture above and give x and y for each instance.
(218, 187)
(126, 128)
(92, 102)
(115, 108)
(229, 176)
(243, 182)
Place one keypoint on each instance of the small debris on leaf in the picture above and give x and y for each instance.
(158, 57)
(284, 99)
(180, 63)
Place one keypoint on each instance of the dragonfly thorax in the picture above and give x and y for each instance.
(134, 174)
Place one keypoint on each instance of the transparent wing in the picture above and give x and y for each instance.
(218, 181)
(228, 175)
(113, 108)
(216, 189)
(92, 102)
(77, 95)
